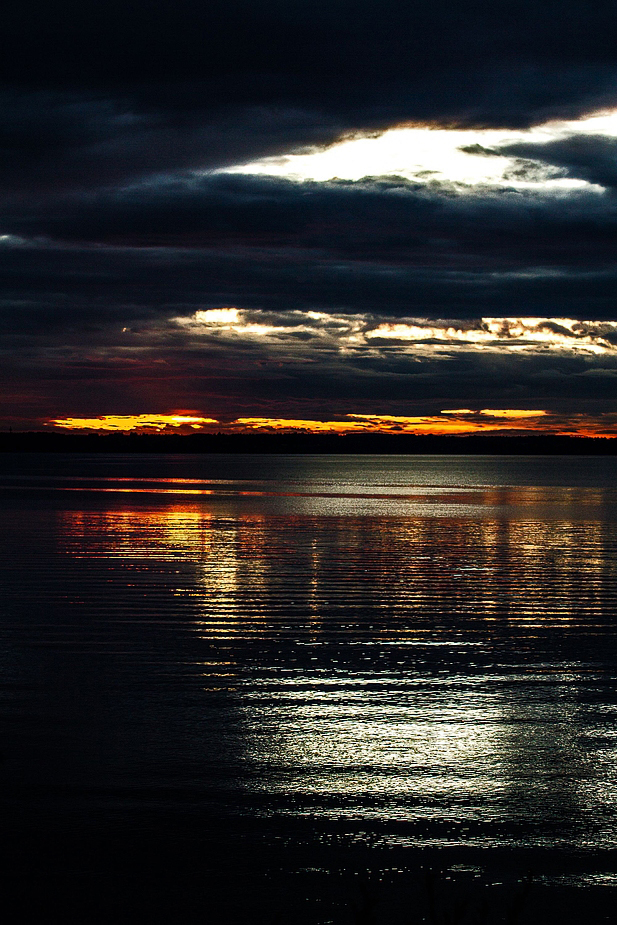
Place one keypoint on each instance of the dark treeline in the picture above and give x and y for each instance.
(306, 443)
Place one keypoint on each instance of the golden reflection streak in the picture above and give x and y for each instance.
(340, 737)
(147, 491)
(134, 539)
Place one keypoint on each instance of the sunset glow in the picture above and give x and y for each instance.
(499, 413)
(133, 422)
(454, 422)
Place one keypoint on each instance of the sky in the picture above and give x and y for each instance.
(315, 216)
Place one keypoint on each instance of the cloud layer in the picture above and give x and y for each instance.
(476, 259)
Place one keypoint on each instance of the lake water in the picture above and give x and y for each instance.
(302, 689)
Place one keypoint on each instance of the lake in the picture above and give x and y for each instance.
(309, 689)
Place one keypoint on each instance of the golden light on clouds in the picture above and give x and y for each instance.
(361, 423)
(121, 423)
(453, 422)
(464, 421)
(290, 425)
(498, 412)
(345, 332)
(236, 323)
(460, 422)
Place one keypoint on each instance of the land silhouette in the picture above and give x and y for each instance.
(532, 445)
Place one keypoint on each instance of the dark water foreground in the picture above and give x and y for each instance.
(308, 690)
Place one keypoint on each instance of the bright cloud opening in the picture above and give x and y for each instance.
(217, 316)
(425, 153)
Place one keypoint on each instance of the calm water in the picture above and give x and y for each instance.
(286, 672)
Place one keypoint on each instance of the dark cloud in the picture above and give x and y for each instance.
(78, 284)
(133, 38)
(273, 245)
(54, 141)
(587, 157)
(412, 224)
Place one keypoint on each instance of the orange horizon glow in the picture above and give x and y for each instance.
(454, 422)
(127, 422)
(499, 413)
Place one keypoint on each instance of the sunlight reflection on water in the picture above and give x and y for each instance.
(433, 664)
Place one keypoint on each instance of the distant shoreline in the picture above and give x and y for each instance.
(309, 444)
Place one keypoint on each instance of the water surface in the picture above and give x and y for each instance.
(314, 665)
